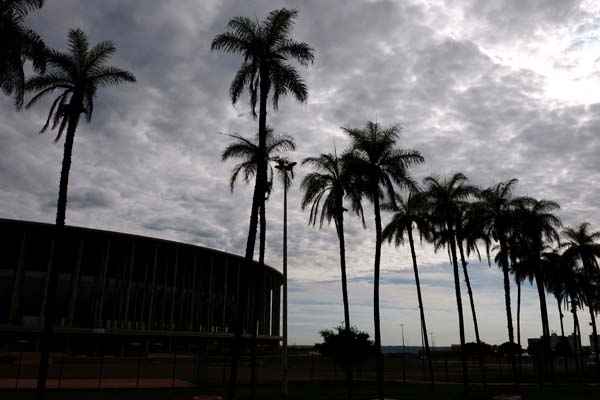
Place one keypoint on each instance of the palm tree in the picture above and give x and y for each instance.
(266, 47)
(376, 166)
(468, 232)
(250, 158)
(248, 152)
(446, 197)
(324, 191)
(555, 268)
(411, 213)
(495, 210)
(19, 44)
(581, 247)
(538, 225)
(78, 75)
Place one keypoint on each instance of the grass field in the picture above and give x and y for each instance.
(316, 391)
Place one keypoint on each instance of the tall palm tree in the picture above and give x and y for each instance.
(538, 225)
(581, 245)
(77, 75)
(266, 47)
(555, 268)
(249, 154)
(250, 157)
(19, 44)
(411, 213)
(446, 197)
(324, 192)
(468, 232)
(495, 208)
(377, 166)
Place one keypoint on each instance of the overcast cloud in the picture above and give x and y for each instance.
(496, 90)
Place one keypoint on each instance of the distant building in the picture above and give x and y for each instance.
(554, 341)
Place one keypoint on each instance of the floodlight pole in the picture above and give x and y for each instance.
(286, 168)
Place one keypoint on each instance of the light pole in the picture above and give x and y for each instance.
(286, 168)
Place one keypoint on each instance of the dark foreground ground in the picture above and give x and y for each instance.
(314, 391)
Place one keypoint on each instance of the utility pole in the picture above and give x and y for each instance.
(286, 168)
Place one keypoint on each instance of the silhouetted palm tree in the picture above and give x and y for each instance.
(409, 214)
(19, 44)
(446, 197)
(250, 157)
(324, 191)
(555, 268)
(77, 75)
(495, 208)
(538, 226)
(581, 246)
(248, 152)
(468, 231)
(266, 48)
(377, 166)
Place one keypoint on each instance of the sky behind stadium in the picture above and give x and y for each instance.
(496, 90)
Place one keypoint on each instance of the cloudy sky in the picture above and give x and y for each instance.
(496, 90)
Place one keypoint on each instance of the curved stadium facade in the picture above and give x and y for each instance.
(130, 288)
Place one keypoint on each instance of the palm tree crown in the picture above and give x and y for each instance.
(266, 47)
(326, 188)
(249, 153)
(77, 75)
(19, 44)
(377, 164)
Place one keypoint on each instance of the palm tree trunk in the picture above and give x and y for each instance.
(469, 290)
(376, 315)
(561, 316)
(258, 200)
(49, 306)
(421, 307)
(505, 273)
(594, 336)
(547, 351)
(519, 313)
(473, 313)
(575, 334)
(461, 321)
(339, 221)
(257, 301)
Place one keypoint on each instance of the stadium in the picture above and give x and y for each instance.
(128, 292)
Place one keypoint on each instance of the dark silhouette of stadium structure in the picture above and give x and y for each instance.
(129, 289)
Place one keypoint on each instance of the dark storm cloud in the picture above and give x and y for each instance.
(149, 163)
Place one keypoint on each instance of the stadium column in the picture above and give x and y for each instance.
(47, 281)
(192, 318)
(144, 296)
(15, 301)
(152, 289)
(101, 289)
(210, 294)
(268, 304)
(125, 316)
(75, 278)
(225, 281)
(174, 289)
(276, 309)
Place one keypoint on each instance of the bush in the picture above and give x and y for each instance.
(508, 348)
(349, 348)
